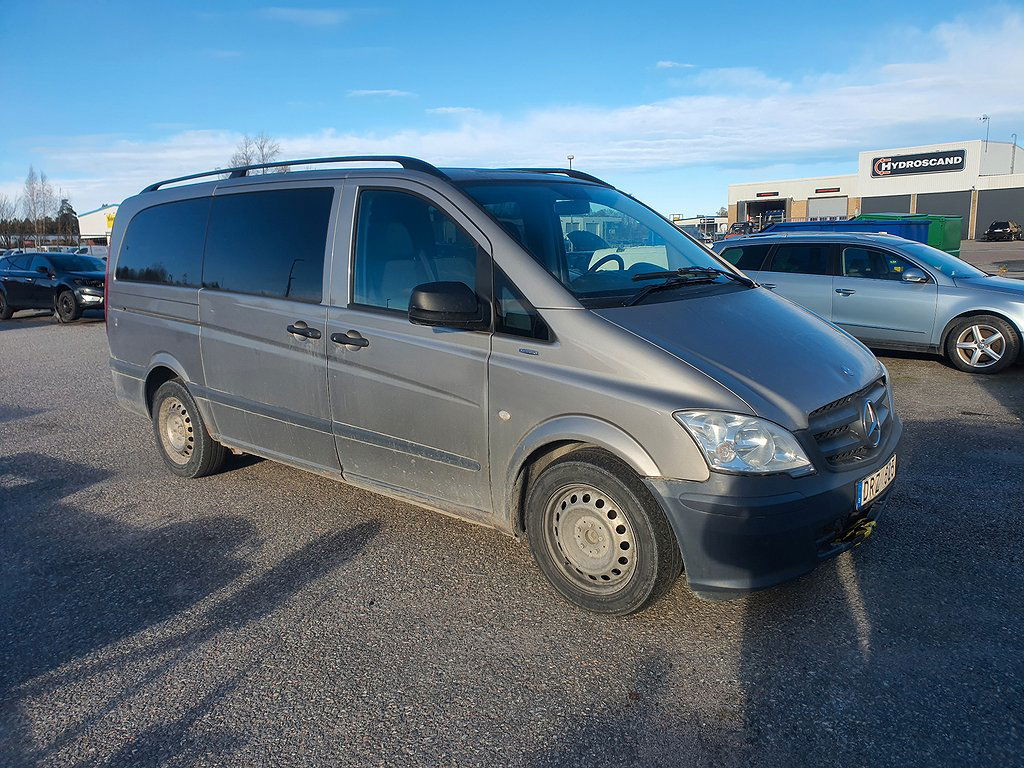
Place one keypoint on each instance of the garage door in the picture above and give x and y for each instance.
(826, 208)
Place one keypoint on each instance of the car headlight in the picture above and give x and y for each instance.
(745, 444)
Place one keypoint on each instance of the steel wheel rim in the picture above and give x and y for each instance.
(591, 538)
(980, 345)
(177, 435)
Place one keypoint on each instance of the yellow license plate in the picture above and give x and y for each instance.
(875, 483)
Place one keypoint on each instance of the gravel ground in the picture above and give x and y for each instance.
(265, 616)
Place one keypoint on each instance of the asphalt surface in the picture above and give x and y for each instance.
(265, 616)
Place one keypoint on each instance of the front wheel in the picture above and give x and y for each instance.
(186, 446)
(66, 307)
(598, 536)
(982, 344)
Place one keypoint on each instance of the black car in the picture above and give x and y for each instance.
(66, 283)
(1004, 230)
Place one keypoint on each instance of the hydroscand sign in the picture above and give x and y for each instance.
(925, 162)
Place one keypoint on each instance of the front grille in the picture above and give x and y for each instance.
(838, 427)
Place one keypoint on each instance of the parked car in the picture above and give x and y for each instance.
(66, 283)
(627, 402)
(1004, 230)
(892, 293)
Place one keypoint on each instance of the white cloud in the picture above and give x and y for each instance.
(453, 111)
(728, 117)
(390, 93)
(668, 64)
(307, 17)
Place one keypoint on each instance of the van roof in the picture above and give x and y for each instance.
(408, 164)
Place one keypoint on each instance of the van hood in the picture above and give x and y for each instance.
(781, 359)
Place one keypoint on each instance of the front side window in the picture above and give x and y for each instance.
(594, 240)
(269, 243)
(873, 264)
(164, 244)
(40, 263)
(801, 258)
(748, 258)
(514, 315)
(403, 241)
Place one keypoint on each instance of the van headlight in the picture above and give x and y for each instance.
(745, 444)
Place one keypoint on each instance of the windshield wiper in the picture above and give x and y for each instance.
(694, 271)
(673, 280)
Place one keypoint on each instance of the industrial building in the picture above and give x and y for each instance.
(981, 181)
(94, 226)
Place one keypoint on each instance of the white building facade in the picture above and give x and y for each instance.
(94, 226)
(980, 181)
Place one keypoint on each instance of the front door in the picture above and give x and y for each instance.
(41, 285)
(408, 402)
(802, 272)
(872, 302)
(263, 324)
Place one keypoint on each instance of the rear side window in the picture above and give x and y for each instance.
(164, 244)
(20, 262)
(269, 243)
(746, 257)
(403, 241)
(801, 258)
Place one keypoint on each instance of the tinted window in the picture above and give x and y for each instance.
(746, 257)
(403, 241)
(514, 315)
(801, 258)
(20, 262)
(164, 244)
(873, 263)
(40, 261)
(269, 243)
(76, 263)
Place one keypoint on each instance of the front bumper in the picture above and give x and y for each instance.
(741, 533)
(89, 298)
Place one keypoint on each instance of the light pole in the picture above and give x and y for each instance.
(570, 158)
(985, 119)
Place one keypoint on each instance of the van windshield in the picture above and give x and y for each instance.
(593, 239)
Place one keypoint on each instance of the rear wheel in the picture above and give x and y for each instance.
(66, 307)
(982, 344)
(598, 536)
(187, 448)
(6, 310)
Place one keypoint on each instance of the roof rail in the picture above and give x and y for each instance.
(409, 163)
(565, 172)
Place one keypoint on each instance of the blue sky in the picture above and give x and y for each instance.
(671, 101)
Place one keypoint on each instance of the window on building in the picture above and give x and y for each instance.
(164, 244)
(747, 257)
(874, 264)
(269, 243)
(801, 258)
(514, 315)
(403, 241)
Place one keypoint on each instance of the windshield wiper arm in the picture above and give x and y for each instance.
(674, 280)
(694, 271)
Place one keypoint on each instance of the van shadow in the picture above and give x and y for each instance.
(910, 649)
(73, 583)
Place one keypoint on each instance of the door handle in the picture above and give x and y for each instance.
(301, 329)
(350, 339)
(845, 291)
(769, 286)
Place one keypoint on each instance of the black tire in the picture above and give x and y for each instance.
(190, 452)
(961, 344)
(6, 310)
(619, 534)
(66, 308)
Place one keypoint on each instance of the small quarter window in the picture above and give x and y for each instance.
(514, 315)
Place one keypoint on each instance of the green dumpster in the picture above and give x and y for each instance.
(944, 232)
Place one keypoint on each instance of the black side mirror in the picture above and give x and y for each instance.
(43, 271)
(448, 304)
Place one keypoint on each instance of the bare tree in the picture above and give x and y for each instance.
(9, 225)
(253, 150)
(39, 203)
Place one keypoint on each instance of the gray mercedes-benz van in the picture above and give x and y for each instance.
(529, 349)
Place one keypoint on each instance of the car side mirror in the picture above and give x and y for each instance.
(914, 276)
(43, 271)
(449, 304)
